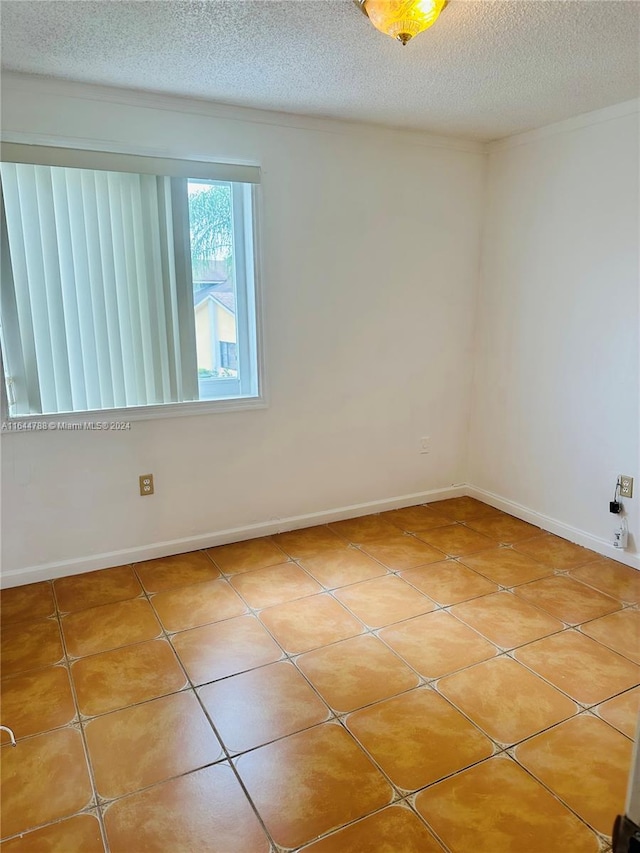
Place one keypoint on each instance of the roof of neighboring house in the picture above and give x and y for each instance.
(221, 292)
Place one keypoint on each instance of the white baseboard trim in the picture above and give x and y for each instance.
(77, 566)
(552, 525)
(63, 568)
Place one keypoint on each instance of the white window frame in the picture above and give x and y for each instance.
(63, 152)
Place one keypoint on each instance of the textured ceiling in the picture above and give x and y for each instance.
(485, 70)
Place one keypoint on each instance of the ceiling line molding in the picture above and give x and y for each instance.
(35, 84)
(569, 125)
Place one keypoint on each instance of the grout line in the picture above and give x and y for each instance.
(85, 745)
(559, 799)
(191, 687)
(226, 752)
(403, 802)
(92, 810)
(410, 801)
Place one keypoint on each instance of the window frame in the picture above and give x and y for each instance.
(214, 170)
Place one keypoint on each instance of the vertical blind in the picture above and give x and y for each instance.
(96, 312)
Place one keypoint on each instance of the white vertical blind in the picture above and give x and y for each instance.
(103, 313)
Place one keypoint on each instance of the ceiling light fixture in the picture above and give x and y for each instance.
(402, 19)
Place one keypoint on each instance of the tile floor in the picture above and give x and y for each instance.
(443, 677)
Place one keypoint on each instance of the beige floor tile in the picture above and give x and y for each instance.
(555, 552)
(391, 830)
(309, 542)
(26, 603)
(139, 746)
(448, 582)
(37, 701)
(179, 570)
(581, 667)
(622, 711)
(402, 552)
(586, 763)
(367, 528)
(80, 833)
(225, 648)
(456, 540)
(416, 519)
(506, 620)
(418, 738)
(79, 592)
(507, 701)
(109, 626)
(185, 815)
(567, 599)
(464, 509)
(612, 578)
(192, 606)
(126, 676)
(321, 774)
(341, 568)
(505, 566)
(244, 556)
(259, 706)
(274, 585)
(504, 528)
(30, 645)
(44, 778)
(437, 644)
(619, 631)
(522, 817)
(309, 623)
(356, 672)
(383, 601)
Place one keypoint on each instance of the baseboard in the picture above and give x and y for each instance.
(552, 525)
(63, 568)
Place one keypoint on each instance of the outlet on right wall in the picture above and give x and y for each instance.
(555, 411)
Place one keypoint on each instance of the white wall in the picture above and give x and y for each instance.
(371, 252)
(555, 401)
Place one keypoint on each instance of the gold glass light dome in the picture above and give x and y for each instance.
(402, 19)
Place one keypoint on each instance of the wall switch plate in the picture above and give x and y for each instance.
(626, 486)
(146, 484)
(425, 444)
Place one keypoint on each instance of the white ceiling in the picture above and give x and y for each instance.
(485, 70)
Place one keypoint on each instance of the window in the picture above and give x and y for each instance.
(126, 281)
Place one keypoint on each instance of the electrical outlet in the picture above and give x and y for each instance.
(425, 444)
(626, 486)
(146, 484)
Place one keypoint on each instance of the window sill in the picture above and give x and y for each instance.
(120, 419)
